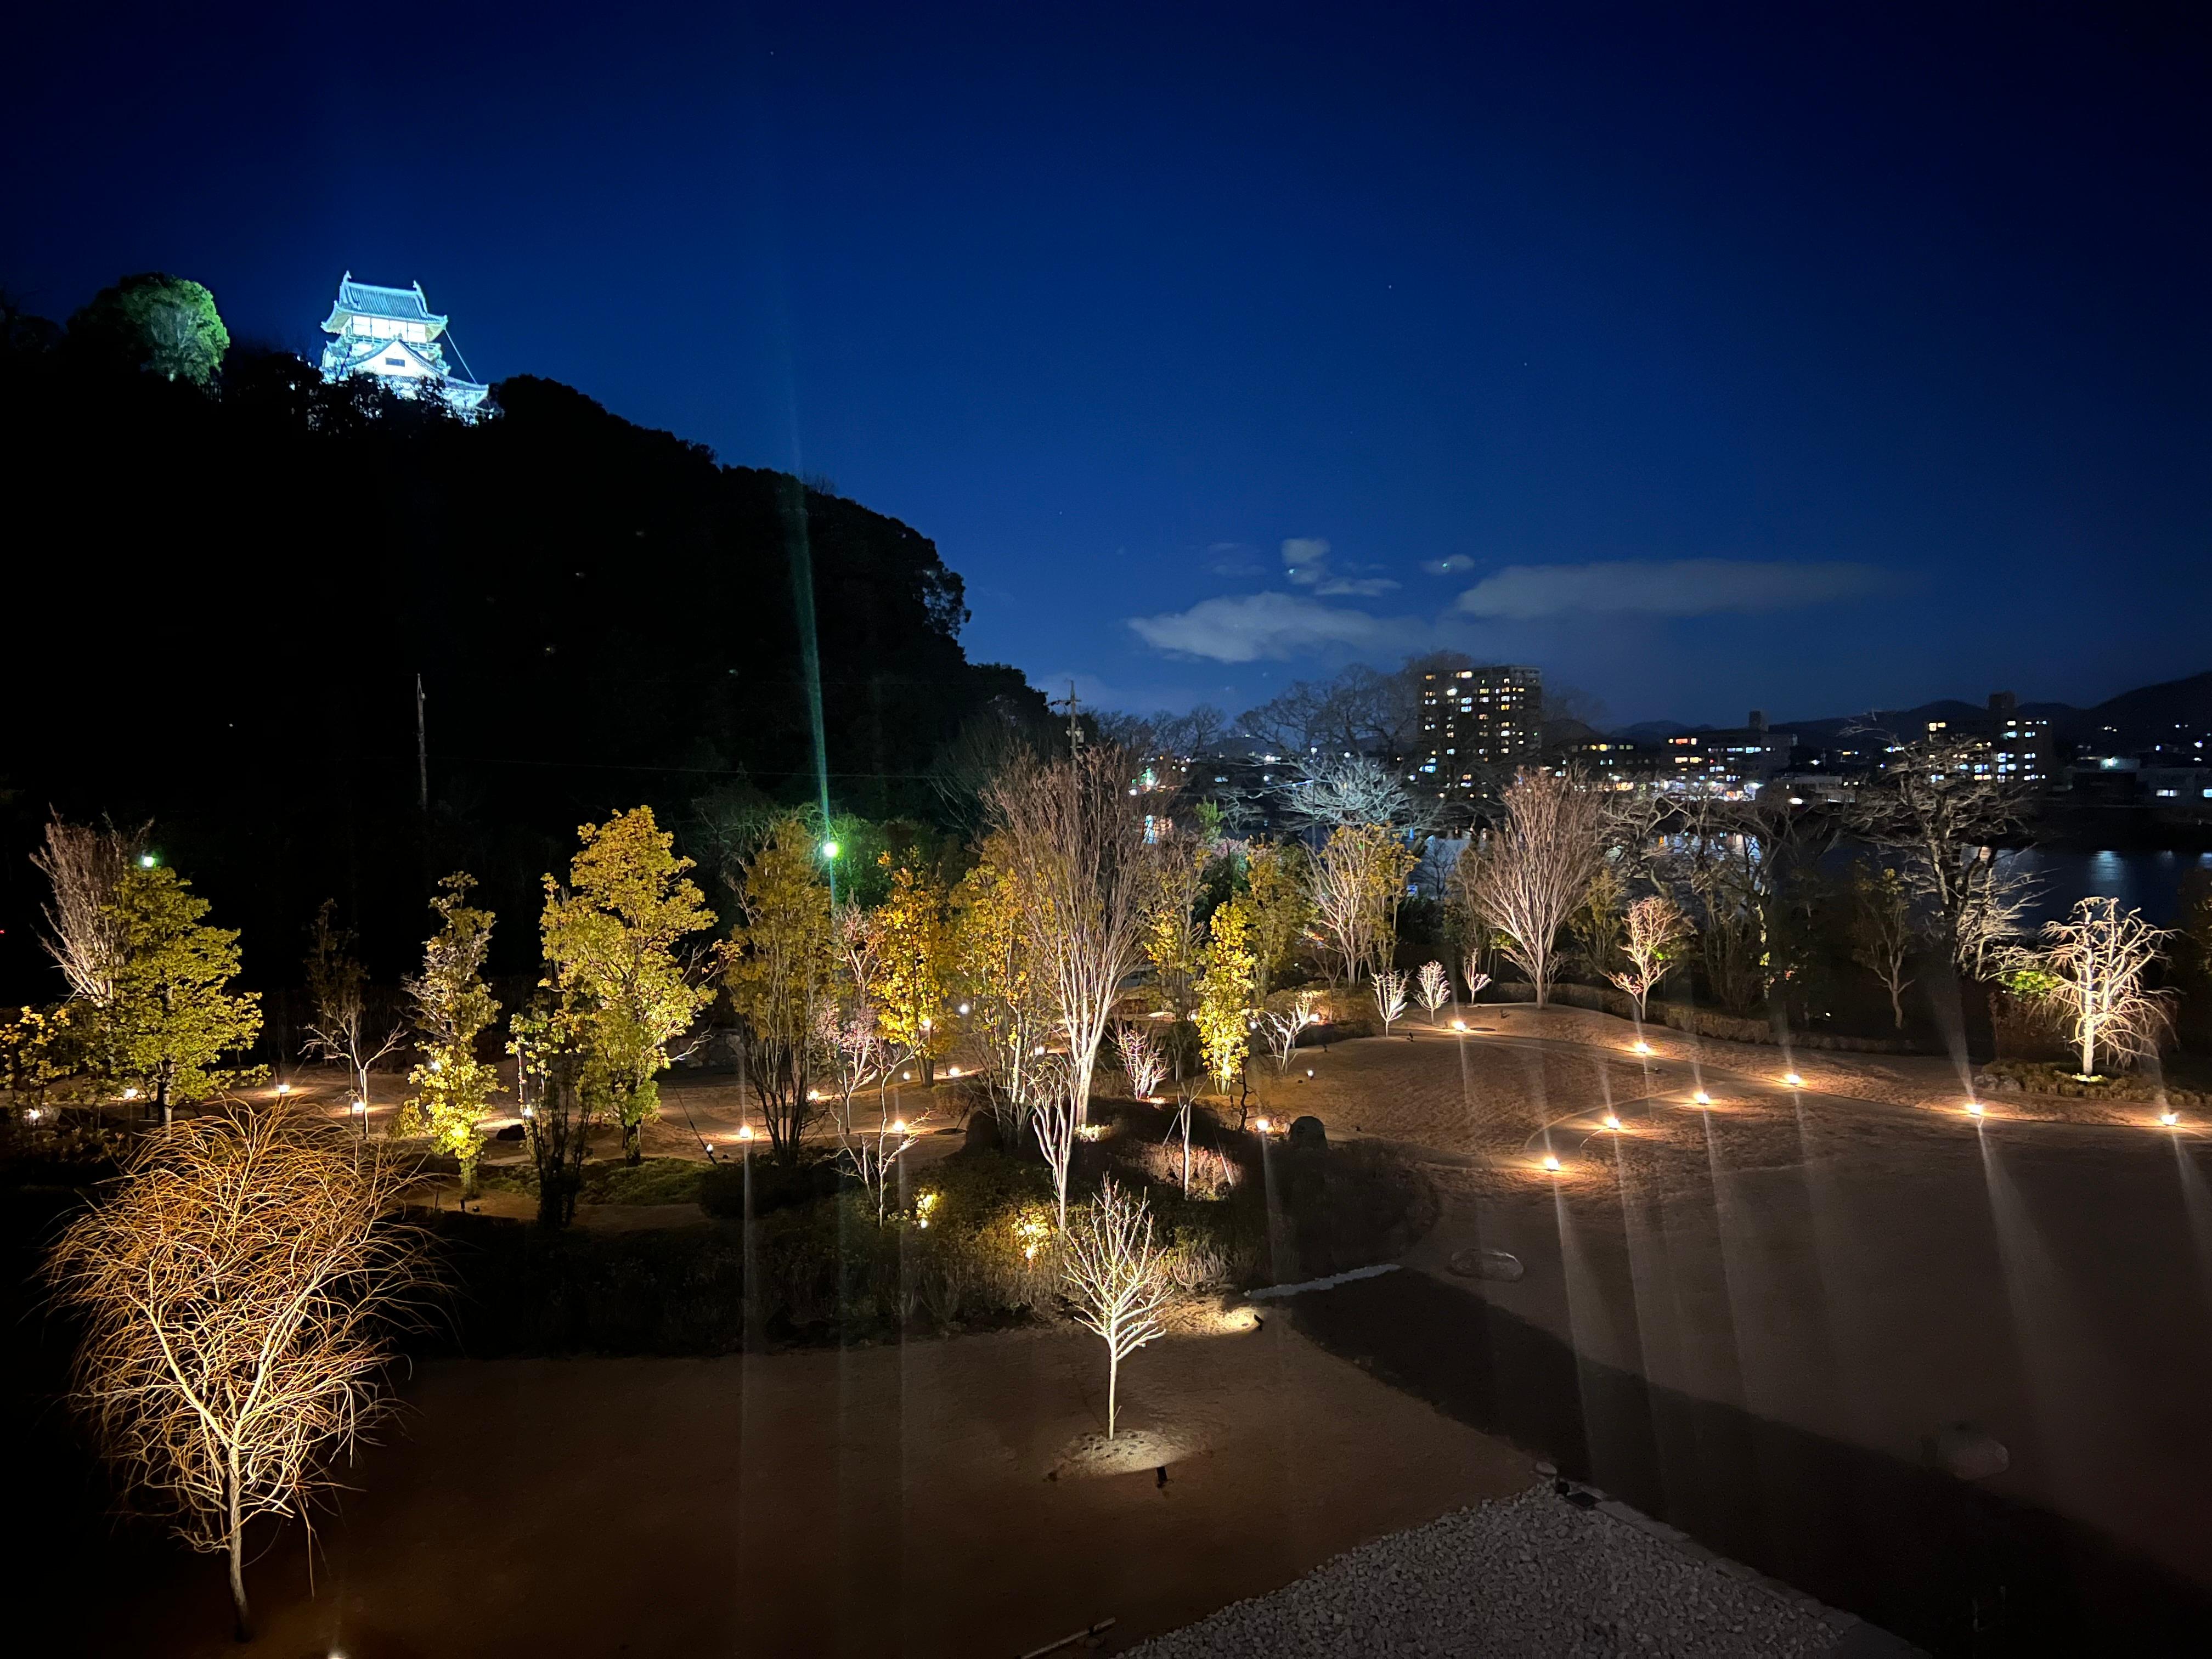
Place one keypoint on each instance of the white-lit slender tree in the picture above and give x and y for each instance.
(1117, 1279)
(1294, 1011)
(1432, 989)
(1389, 992)
(338, 987)
(1653, 932)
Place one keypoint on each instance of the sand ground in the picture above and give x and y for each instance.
(1851, 1262)
(883, 1500)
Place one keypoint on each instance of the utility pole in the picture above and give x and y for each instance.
(422, 748)
(1074, 725)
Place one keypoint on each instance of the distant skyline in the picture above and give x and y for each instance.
(1806, 359)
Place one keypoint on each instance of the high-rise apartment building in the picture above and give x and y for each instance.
(1474, 718)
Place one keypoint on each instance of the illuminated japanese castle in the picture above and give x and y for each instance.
(392, 333)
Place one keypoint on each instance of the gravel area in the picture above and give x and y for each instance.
(1532, 1575)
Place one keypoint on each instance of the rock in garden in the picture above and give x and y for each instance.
(1500, 1264)
(1969, 1453)
(1308, 1134)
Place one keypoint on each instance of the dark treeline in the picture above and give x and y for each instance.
(221, 596)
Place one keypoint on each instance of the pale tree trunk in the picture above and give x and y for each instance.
(238, 1555)
(1112, 1388)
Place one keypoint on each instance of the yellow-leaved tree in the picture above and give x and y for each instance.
(915, 967)
(1275, 891)
(453, 1006)
(782, 978)
(1172, 934)
(1010, 1006)
(613, 938)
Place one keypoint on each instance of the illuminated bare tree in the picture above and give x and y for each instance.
(2091, 972)
(1534, 872)
(1282, 1025)
(1471, 971)
(1433, 988)
(337, 986)
(1884, 931)
(84, 927)
(1141, 1058)
(1941, 811)
(1117, 1279)
(1653, 932)
(1073, 841)
(1355, 883)
(1390, 993)
(239, 1293)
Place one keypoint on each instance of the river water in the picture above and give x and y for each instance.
(2146, 881)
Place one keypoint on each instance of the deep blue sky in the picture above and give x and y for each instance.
(1902, 309)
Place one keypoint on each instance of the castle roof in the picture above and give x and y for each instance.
(404, 305)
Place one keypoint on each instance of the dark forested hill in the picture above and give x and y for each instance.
(219, 602)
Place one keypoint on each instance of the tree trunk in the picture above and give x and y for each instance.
(1112, 1387)
(1896, 1005)
(243, 1630)
(634, 1143)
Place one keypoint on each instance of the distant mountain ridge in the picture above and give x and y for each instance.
(2129, 721)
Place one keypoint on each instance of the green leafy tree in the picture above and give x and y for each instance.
(453, 1008)
(164, 324)
(612, 934)
(172, 1019)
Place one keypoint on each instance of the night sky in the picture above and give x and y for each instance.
(1810, 357)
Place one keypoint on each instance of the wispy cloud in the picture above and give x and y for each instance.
(1307, 562)
(1253, 627)
(1448, 565)
(1678, 587)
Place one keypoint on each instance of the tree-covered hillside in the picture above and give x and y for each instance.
(221, 596)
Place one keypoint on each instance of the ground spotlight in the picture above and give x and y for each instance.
(1793, 1079)
(1701, 1099)
(1611, 1120)
(1551, 1164)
